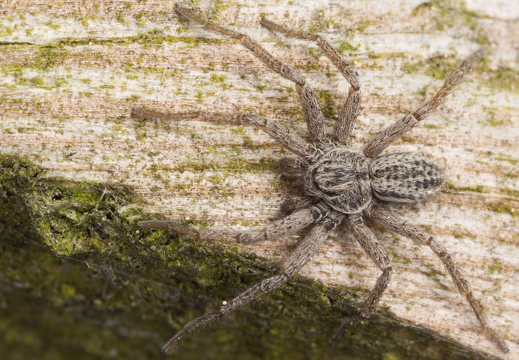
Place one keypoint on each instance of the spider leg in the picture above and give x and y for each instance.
(377, 253)
(287, 137)
(413, 232)
(351, 108)
(313, 115)
(284, 227)
(294, 262)
(381, 140)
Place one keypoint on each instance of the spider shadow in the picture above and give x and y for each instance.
(80, 279)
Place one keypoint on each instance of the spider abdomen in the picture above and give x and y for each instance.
(404, 177)
(341, 178)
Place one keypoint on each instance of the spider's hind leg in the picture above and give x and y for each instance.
(413, 232)
(294, 262)
(377, 253)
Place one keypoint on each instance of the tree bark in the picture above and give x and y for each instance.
(70, 73)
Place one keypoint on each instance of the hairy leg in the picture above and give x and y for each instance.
(381, 140)
(351, 108)
(284, 227)
(293, 263)
(413, 232)
(313, 115)
(287, 137)
(376, 252)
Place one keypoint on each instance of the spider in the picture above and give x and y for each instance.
(340, 185)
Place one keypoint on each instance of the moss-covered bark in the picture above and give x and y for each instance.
(79, 280)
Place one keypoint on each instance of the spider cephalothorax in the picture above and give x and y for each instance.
(340, 185)
(340, 177)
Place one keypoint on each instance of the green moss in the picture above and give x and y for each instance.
(433, 126)
(362, 25)
(37, 81)
(386, 55)
(199, 96)
(439, 67)
(150, 38)
(482, 189)
(81, 280)
(503, 207)
(495, 122)
(234, 166)
(6, 30)
(217, 78)
(120, 18)
(345, 47)
(52, 25)
(327, 103)
(322, 22)
(504, 79)
(50, 55)
(410, 68)
(507, 159)
(496, 266)
(133, 97)
(443, 15)
(106, 86)
(510, 192)
(315, 52)
(219, 6)
(476, 188)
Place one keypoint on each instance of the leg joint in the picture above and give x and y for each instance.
(320, 211)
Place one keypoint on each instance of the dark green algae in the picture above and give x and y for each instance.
(80, 280)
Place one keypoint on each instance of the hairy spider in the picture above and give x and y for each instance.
(340, 185)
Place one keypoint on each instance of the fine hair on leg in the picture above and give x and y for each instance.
(312, 112)
(377, 253)
(382, 139)
(306, 248)
(351, 108)
(400, 226)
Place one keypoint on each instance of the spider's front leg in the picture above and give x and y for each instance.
(294, 262)
(377, 253)
(351, 108)
(312, 112)
(382, 140)
(413, 232)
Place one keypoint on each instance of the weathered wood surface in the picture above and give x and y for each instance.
(72, 71)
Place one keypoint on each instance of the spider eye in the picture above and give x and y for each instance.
(404, 177)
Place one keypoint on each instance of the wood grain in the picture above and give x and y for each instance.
(70, 73)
